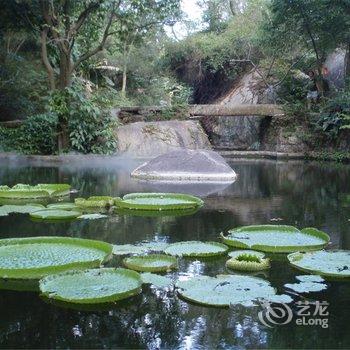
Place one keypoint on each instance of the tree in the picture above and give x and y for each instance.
(323, 25)
(71, 32)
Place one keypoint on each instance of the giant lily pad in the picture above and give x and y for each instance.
(196, 249)
(63, 206)
(92, 286)
(158, 201)
(226, 290)
(38, 191)
(156, 280)
(35, 257)
(94, 202)
(139, 248)
(156, 212)
(55, 214)
(151, 263)
(276, 238)
(334, 263)
(20, 209)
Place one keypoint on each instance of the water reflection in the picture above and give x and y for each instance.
(302, 194)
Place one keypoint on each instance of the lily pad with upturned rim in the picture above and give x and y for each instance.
(19, 209)
(35, 257)
(196, 249)
(151, 263)
(63, 206)
(158, 201)
(276, 238)
(156, 212)
(55, 214)
(247, 261)
(37, 191)
(235, 253)
(92, 286)
(226, 290)
(329, 263)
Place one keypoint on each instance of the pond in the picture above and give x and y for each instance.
(303, 194)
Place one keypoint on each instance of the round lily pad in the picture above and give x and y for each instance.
(151, 263)
(63, 206)
(21, 209)
(156, 212)
(226, 290)
(158, 201)
(196, 249)
(332, 263)
(35, 257)
(276, 238)
(92, 286)
(55, 214)
(38, 191)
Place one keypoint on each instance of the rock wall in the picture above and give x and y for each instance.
(151, 139)
(241, 133)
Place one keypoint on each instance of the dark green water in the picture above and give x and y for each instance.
(301, 194)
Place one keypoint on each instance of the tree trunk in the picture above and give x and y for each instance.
(347, 66)
(124, 81)
(64, 82)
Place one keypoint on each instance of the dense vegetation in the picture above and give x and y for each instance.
(66, 64)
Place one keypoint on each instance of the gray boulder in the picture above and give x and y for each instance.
(150, 139)
(187, 165)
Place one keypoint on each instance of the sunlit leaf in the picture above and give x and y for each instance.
(92, 286)
(151, 263)
(36, 257)
(276, 238)
(55, 214)
(196, 249)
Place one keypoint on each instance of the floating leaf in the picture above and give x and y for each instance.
(92, 286)
(158, 201)
(63, 206)
(236, 253)
(93, 216)
(94, 202)
(196, 249)
(156, 280)
(36, 257)
(246, 261)
(151, 263)
(334, 263)
(310, 278)
(307, 284)
(52, 214)
(276, 238)
(226, 290)
(21, 209)
(140, 248)
(38, 191)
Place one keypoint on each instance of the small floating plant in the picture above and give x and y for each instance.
(248, 260)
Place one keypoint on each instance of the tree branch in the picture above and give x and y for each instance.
(101, 45)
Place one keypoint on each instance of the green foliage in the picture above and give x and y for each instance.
(37, 135)
(91, 124)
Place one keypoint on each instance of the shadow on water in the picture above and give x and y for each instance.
(297, 193)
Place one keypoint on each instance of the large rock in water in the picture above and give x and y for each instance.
(187, 165)
(150, 139)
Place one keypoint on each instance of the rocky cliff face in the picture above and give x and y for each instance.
(240, 133)
(151, 139)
